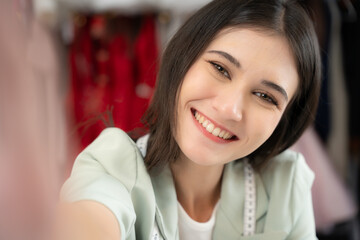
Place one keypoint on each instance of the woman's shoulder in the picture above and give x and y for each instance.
(286, 171)
(287, 182)
(111, 171)
(112, 141)
(113, 152)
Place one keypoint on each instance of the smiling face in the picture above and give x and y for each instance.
(234, 95)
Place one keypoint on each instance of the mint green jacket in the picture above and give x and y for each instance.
(111, 171)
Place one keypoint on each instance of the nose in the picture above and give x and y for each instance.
(230, 104)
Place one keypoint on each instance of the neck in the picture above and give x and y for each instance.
(197, 187)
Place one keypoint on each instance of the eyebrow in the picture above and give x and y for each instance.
(275, 87)
(227, 56)
(264, 82)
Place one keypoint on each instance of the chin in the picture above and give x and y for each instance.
(203, 157)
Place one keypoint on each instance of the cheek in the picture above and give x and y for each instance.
(198, 84)
(262, 125)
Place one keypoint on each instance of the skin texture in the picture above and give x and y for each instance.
(85, 220)
(231, 94)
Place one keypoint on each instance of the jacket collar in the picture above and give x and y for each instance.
(229, 219)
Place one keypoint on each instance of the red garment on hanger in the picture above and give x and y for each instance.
(111, 71)
(146, 54)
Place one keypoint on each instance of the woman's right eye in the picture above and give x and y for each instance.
(220, 69)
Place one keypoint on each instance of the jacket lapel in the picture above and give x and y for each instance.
(166, 201)
(229, 218)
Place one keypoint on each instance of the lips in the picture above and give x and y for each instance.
(211, 127)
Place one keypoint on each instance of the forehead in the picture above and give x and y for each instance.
(243, 37)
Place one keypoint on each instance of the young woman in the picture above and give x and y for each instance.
(237, 86)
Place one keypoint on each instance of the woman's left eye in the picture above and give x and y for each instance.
(266, 98)
(221, 70)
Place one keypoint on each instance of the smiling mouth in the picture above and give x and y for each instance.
(213, 128)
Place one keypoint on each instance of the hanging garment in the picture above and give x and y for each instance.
(132, 6)
(351, 52)
(145, 60)
(113, 70)
(83, 98)
(322, 18)
(171, 14)
(338, 138)
(328, 188)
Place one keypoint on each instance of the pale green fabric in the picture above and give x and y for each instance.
(111, 171)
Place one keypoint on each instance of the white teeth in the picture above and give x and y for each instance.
(222, 133)
(210, 127)
(227, 135)
(197, 116)
(201, 120)
(216, 132)
(205, 123)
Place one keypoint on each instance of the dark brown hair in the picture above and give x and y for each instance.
(285, 18)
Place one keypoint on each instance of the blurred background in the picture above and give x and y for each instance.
(70, 68)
